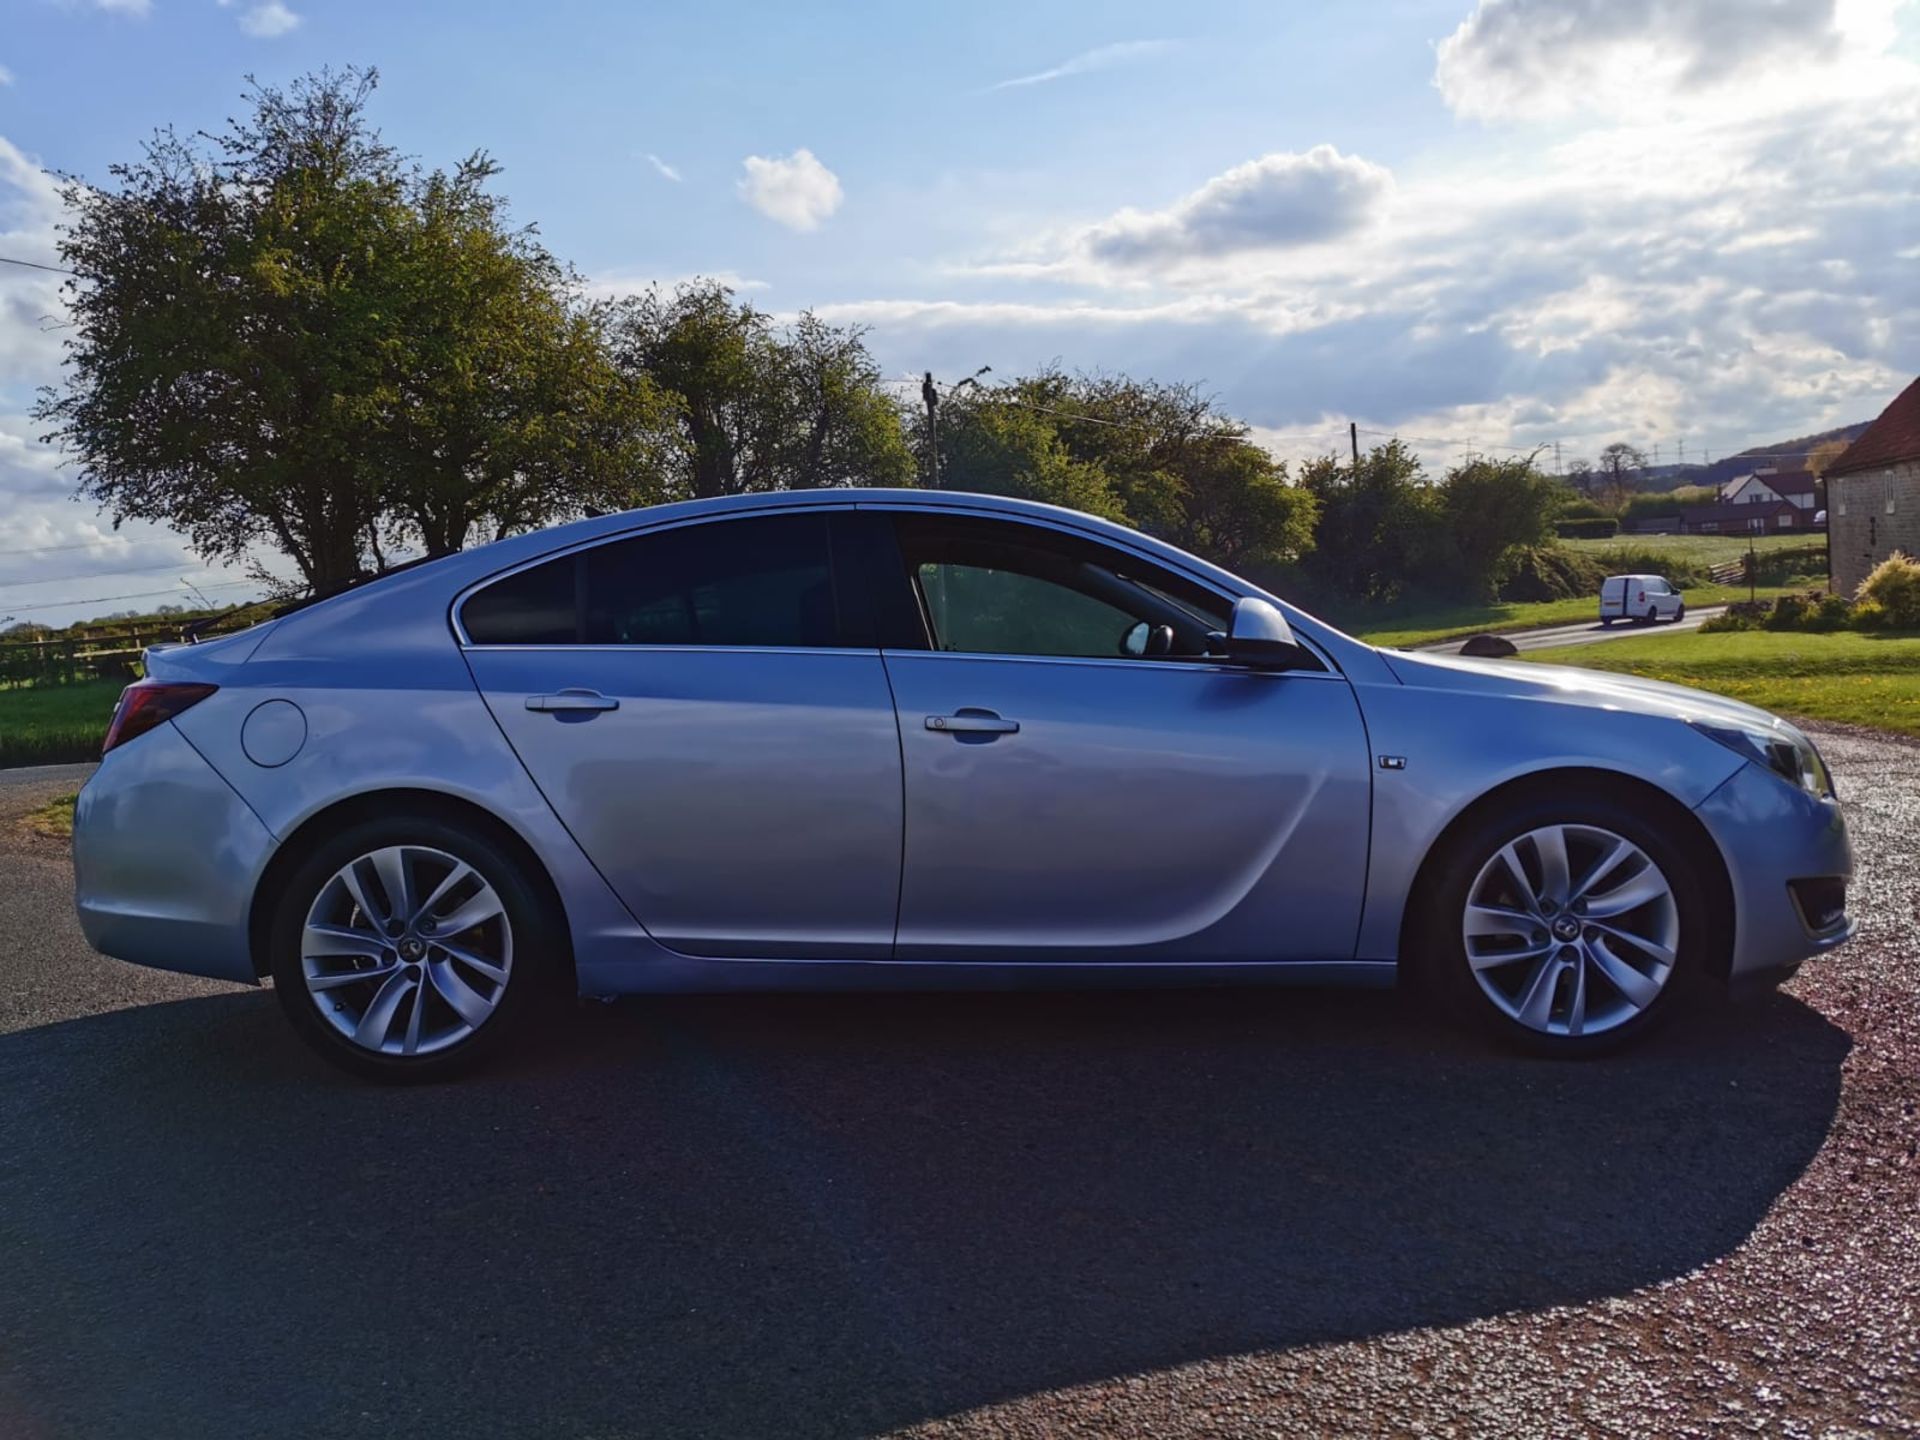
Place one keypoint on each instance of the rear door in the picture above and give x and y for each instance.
(697, 706)
(1083, 783)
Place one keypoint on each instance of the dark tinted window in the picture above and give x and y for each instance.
(1000, 588)
(535, 607)
(763, 581)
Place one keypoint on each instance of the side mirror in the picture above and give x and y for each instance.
(1258, 634)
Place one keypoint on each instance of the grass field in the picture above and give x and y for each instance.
(1701, 549)
(49, 724)
(1857, 679)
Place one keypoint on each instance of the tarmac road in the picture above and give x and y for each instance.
(1553, 636)
(1171, 1214)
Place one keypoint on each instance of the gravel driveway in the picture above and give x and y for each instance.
(1168, 1214)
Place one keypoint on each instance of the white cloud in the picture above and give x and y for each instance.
(1280, 200)
(124, 7)
(6, 76)
(798, 192)
(1727, 279)
(269, 20)
(1533, 59)
(1101, 57)
(666, 171)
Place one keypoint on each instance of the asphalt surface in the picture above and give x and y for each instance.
(1553, 636)
(1228, 1213)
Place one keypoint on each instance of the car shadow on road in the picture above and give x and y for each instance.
(832, 1215)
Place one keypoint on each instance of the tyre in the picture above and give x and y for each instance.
(1681, 613)
(1564, 925)
(1606, 622)
(407, 949)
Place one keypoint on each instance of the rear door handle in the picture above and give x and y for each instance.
(973, 722)
(573, 700)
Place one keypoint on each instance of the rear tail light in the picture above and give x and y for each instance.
(148, 703)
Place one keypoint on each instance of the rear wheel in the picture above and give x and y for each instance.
(409, 949)
(1565, 926)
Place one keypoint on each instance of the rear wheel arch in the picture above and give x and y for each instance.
(317, 828)
(1661, 808)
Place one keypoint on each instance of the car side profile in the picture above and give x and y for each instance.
(1646, 599)
(872, 739)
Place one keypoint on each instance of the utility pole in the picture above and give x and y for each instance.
(1558, 468)
(1353, 439)
(932, 397)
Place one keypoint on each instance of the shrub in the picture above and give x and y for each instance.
(1587, 527)
(1549, 572)
(1727, 621)
(1787, 613)
(1894, 586)
(1829, 612)
(1869, 615)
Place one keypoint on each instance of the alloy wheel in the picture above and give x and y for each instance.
(406, 950)
(1571, 930)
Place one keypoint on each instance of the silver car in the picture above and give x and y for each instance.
(847, 738)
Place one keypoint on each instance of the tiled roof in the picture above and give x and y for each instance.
(1894, 437)
(1754, 510)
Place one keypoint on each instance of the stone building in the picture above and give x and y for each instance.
(1873, 493)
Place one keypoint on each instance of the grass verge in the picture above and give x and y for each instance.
(50, 724)
(1847, 677)
(54, 820)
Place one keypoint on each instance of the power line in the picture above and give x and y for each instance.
(51, 549)
(91, 575)
(135, 595)
(36, 265)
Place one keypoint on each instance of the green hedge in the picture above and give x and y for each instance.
(1602, 527)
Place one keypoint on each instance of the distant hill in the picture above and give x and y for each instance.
(1779, 454)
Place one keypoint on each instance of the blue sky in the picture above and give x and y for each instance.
(1475, 222)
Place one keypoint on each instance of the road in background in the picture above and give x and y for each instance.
(1553, 636)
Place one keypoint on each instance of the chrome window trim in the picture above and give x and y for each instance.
(1179, 664)
(809, 507)
(459, 601)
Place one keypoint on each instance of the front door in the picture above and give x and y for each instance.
(685, 701)
(1083, 783)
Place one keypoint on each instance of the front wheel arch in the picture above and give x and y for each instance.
(317, 828)
(1660, 807)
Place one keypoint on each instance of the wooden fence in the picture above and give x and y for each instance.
(104, 652)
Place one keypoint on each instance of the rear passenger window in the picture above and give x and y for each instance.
(534, 607)
(766, 581)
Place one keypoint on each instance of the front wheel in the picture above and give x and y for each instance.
(409, 949)
(1565, 927)
(1680, 613)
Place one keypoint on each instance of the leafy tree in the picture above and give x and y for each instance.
(1380, 523)
(1492, 509)
(510, 412)
(993, 446)
(1160, 457)
(750, 406)
(286, 333)
(1621, 467)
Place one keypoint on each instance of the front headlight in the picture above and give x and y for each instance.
(1777, 747)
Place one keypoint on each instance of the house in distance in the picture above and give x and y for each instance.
(1873, 493)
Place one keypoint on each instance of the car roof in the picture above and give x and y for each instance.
(402, 612)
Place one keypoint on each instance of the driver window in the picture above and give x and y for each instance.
(994, 587)
(1003, 612)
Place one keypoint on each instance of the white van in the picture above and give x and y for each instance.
(1643, 598)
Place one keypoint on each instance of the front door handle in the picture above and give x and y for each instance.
(973, 722)
(573, 700)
